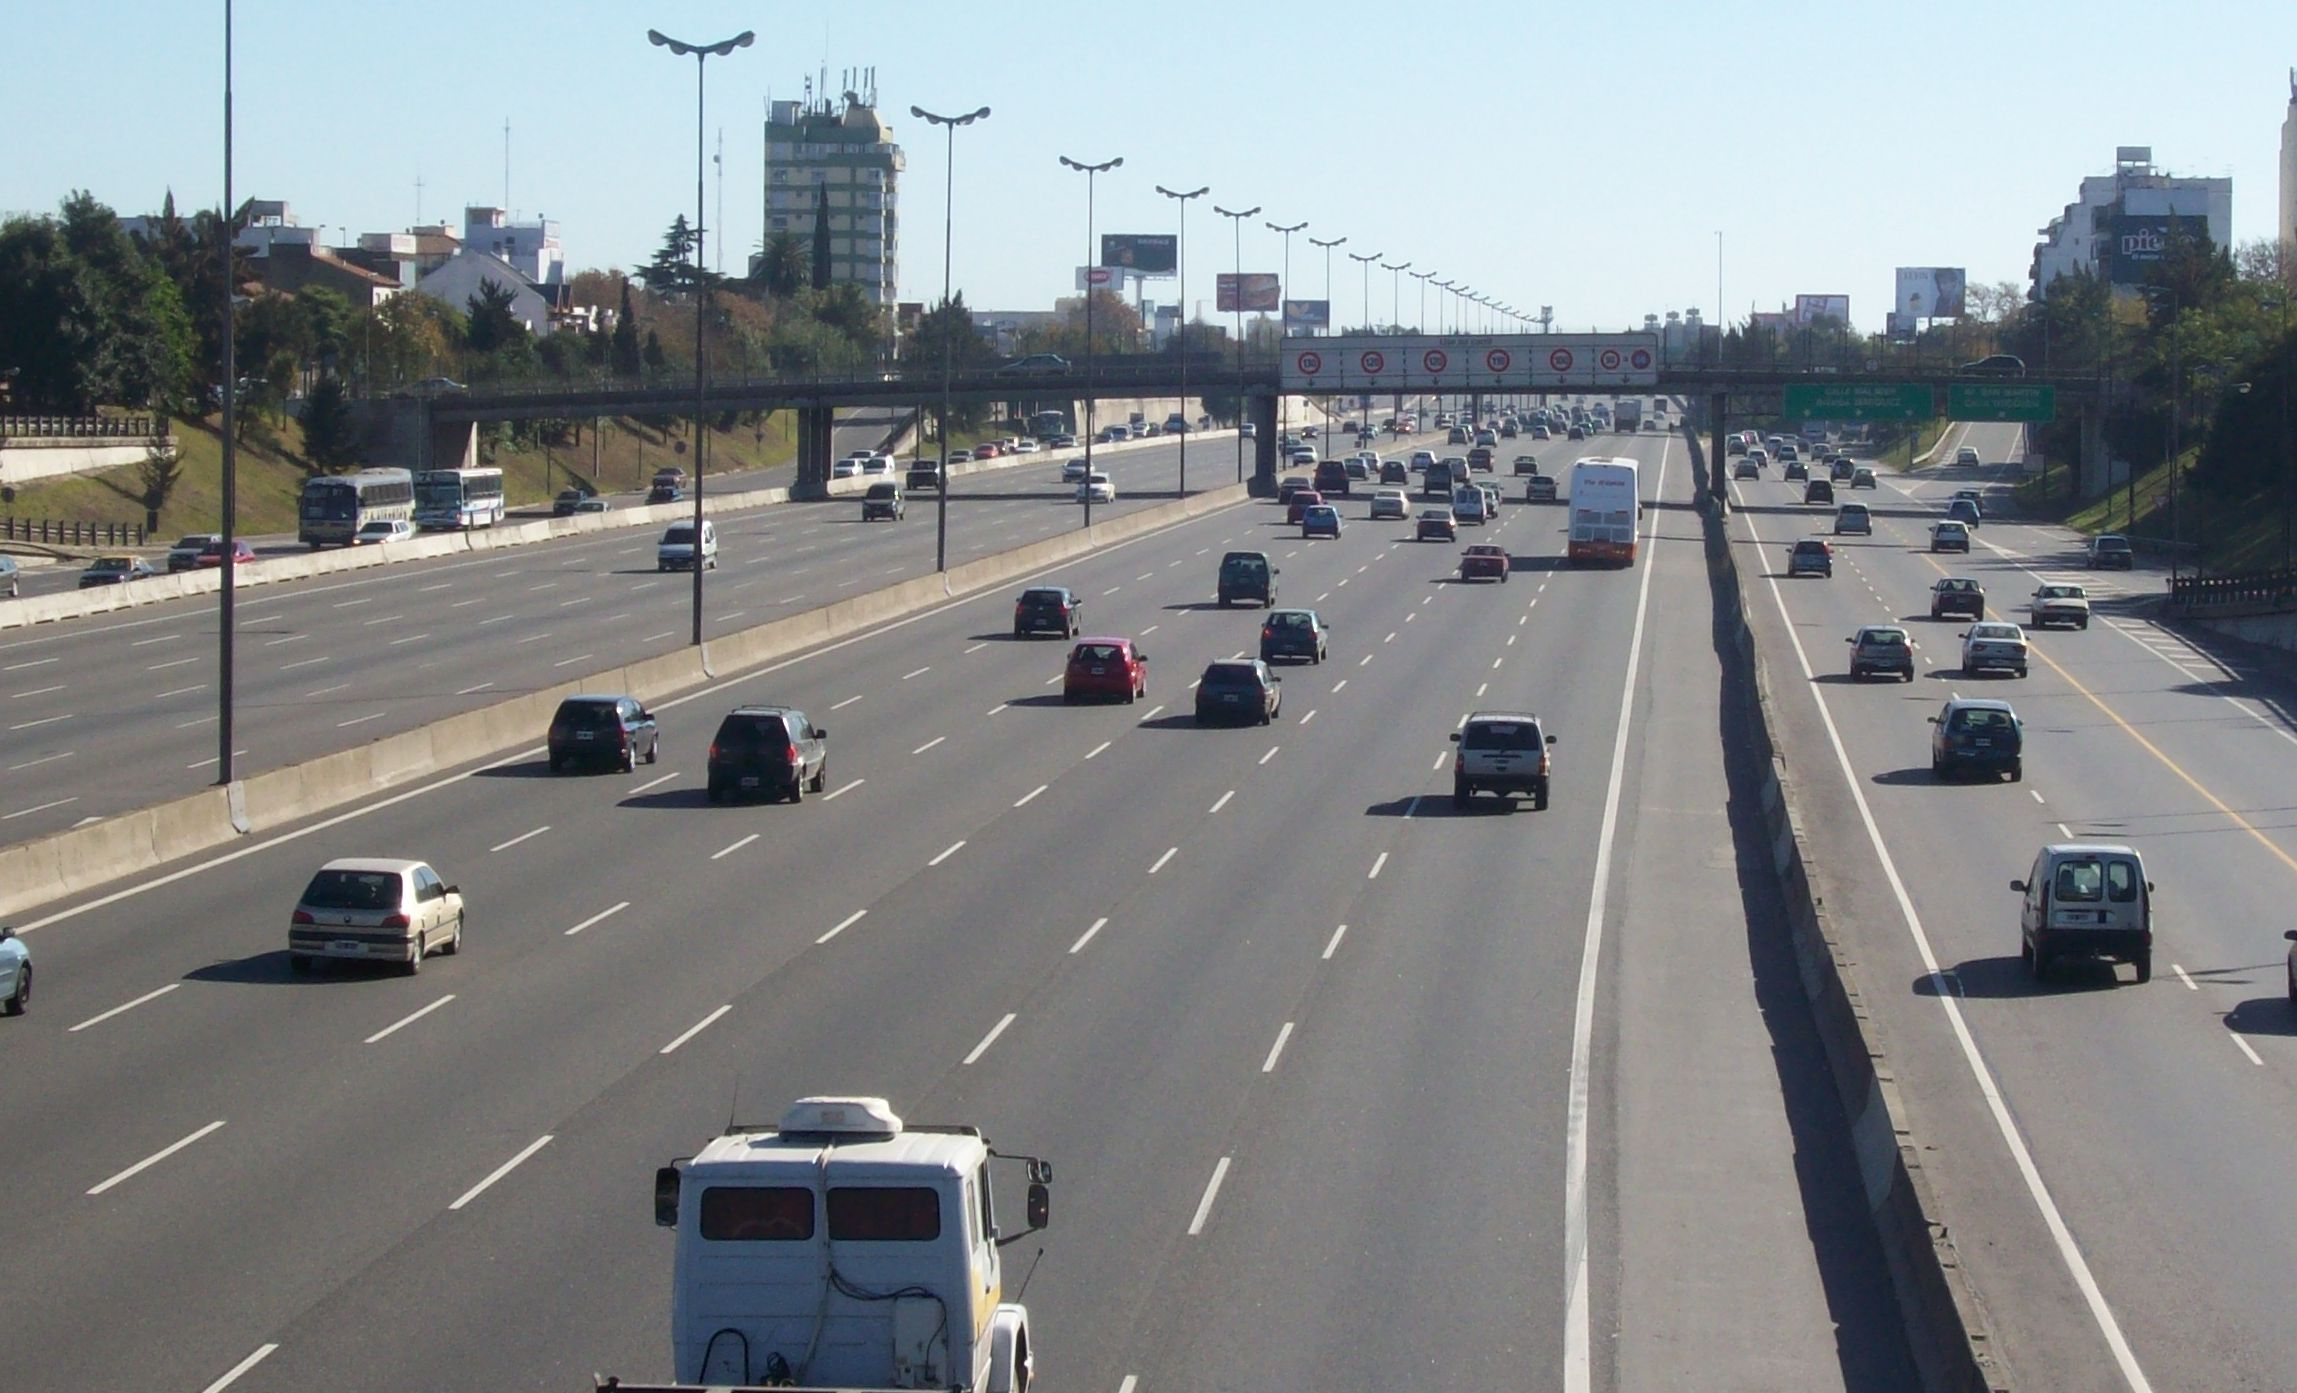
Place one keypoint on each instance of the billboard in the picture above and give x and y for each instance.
(1307, 315)
(1770, 321)
(1931, 292)
(1260, 292)
(2139, 242)
(1145, 253)
(1810, 309)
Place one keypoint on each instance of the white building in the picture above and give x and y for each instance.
(455, 282)
(2123, 220)
(2288, 190)
(816, 146)
(531, 248)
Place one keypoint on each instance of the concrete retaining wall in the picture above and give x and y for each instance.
(72, 862)
(2267, 630)
(21, 462)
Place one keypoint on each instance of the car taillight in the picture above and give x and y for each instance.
(1268, 631)
(713, 749)
(396, 921)
(797, 761)
(1543, 766)
(303, 916)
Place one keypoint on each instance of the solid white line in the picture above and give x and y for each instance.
(945, 855)
(1221, 802)
(156, 1157)
(1272, 749)
(1268, 1065)
(655, 782)
(1170, 852)
(40, 807)
(715, 855)
(1098, 924)
(2243, 1046)
(1332, 945)
(468, 691)
(500, 1171)
(523, 836)
(843, 788)
(2069, 1251)
(842, 925)
(598, 918)
(1578, 1361)
(929, 744)
(262, 1352)
(990, 1039)
(1377, 863)
(695, 1029)
(101, 1017)
(1212, 1190)
(395, 1026)
(1030, 796)
(1100, 747)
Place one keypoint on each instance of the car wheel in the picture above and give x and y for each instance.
(1068, 698)
(2292, 973)
(455, 944)
(797, 792)
(821, 777)
(1539, 799)
(2017, 771)
(414, 963)
(716, 792)
(2084, 624)
(557, 765)
(2144, 964)
(654, 750)
(629, 758)
(1908, 674)
(1019, 632)
(1938, 771)
(21, 1001)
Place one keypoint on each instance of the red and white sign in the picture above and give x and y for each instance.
(1499, 360)
(1561, 360)
(1640, 359)
(1311, 364)
(1373, 363)
(1099, 275)
(1541, 362)
(1435, 360)
(1608, 359)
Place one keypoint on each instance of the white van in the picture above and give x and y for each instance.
(677, 552)
(2086, 900)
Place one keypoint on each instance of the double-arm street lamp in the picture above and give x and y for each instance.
(1283, 296)
(701, 53)
(1092, 263)
(1366, 263)
(1181, 266)
(1236, 221)
(948, 337)
(1420, 325)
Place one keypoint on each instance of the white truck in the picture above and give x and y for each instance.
(1605, 506)
(843, 1249)
(1627, 417)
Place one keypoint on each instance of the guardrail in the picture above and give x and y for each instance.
(2258, 592)
(73, 534)
(79, 428)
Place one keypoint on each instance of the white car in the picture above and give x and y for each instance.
(2059, 604)
(1097, 489)
(1389, 503)
(877, 467)
(1073, 472)
(677, 552)
(847, 468)
(1994, 646)
(373, 910)
(1025, 447)
(382, 530)
(1967, 455)
(15, 974)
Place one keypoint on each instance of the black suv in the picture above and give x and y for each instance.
(1246, 575)
(608, 730)
(1045, 607)
(768, 750)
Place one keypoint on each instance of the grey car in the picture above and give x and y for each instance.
(15, 974)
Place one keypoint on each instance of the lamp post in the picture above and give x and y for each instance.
(1396, 290)
(1327, 246)
(702, 53)
(948, 340)
(1420, 324)
(226, 599)
(1366, 263)
(1092, 172)
(1182, 267)
(1283, 320)
(1236, 224)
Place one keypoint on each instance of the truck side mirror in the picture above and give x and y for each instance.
(2019, 886)
(666, 1180)
(1040, 1205)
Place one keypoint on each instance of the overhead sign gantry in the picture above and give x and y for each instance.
(1470, 362)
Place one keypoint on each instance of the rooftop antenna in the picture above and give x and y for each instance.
(719, 160)
(506, 167)
(418, 198)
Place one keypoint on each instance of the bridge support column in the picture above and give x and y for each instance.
(815, 446)
(1717, 471)
(2094, 473)
(1261, 411)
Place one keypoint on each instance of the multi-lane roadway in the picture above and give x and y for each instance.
(1344, 1088)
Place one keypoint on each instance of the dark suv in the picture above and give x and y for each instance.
(1246, 575)
(765, 750)
(608, 730)
(1044, 607)
(1332, 478)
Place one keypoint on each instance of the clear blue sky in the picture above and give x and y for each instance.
(1578, 156)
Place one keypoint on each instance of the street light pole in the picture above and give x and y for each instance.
(1420, 323)
(1236, 223)
(702, 53)
(1092, 172)
(1366, 263)
(1327, 246)
(1396, 290)
(225, 661)
(1182, 267)
(948, 340)
(1283, 320)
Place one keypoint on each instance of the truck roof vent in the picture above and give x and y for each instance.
(852, 1117)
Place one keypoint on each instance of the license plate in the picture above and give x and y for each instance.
(584, 734)
(1229, 696)
(344, 945)
(749, 781)
(1982, 744)
(1099, 671)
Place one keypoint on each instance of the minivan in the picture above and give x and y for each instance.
(764, 750)
(2086, 900)
(676, 550)
(1246, 575)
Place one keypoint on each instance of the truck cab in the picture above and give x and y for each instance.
(844, 1248)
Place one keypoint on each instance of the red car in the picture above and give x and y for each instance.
(1482, 562)
(1105, 667)
(1302, 500)
(987, 449)
(211, 555)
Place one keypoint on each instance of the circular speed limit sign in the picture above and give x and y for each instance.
(1435, 360)
(1560, 360)
(1499, 360)
(1609, 359)
(1373, 363)
(1311, 364)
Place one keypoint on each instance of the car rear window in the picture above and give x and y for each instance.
(1042, 597)
(1501, 735)
(1231, 675)
(1981, 719)
(753, 733)
(1096, 653)
(1885, 638)
(353, 890)
(586, 715)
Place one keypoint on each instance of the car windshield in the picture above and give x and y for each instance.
(353, 890)
(114, 563)
(678, 536)
(1500, 735)
(1096, 653)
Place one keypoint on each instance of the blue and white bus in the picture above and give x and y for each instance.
(458, 498)
(336, 506)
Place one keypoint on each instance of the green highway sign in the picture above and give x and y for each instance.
(2002, 401)
(1856, 401)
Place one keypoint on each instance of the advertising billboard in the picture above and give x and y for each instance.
(1931, 292)
(1261, 292)
(1148, 253)
(1810, 309)
(1307, 315)
(2141, 241)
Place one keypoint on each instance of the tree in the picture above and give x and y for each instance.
(672, 268)
(492, 324)
(783, 266)
(157, 474)
(49, 321)
(845, 311)
(327, 319)
(330, 435)
(625, 356)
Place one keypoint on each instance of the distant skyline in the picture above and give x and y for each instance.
(1572, 156)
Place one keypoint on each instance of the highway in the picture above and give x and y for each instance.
(2123, 1211)
(1344, 1089)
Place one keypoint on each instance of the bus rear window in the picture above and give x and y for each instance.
(757, 1213)
(903, 1214)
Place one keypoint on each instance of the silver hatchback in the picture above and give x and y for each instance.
(375, 910)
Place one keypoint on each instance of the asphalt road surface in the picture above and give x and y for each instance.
(1345, 1088)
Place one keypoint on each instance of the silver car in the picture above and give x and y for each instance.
(375, 910)
(15, 974)
(1994, 647)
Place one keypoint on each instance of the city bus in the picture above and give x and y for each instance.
(458, 498)
(335, 506)
(1605, 506)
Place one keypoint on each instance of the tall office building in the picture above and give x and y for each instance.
(2125, 221)
(844, 148)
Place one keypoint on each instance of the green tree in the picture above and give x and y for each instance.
(492, 324)
(672, 267)
(157, 474)
(327, 318)
(330, 434)
(626, 357)
(783, 267)
(846, 312)
(50, 321)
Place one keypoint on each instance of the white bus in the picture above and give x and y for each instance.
(458, 498)
(336, 506)
(1605, 506)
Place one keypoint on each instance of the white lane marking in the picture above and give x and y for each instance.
(1497, 661)
(1056, 677)
(102, 1016)
(1363, 660)
(2243, 1046)
(1150, 630)
(1332, 945)
(500, 1171)
(1220, 802)
(2037, 794)
(599, 918)
(411, 638)
(1170, 852)
(717, 855)
(328, 691)
(1025, 799)
(1481, 688)
(404, 1021)
(359, 720)
(695, 1029)
(1111, 591)
(172, 662)
(990, 1039)
(2065, 832)
(506, 618)
(648, 639)
(907, 675)
(231, 1375)
(840, 706)
(929, 744)
(949, 852)
(1152, 711)
(2190, 984)
(163, 638)
(155, 1158)
(1211, 1191)
(1272, 749)
(40, 808)
(577, 658)
(1377, 862)
(843, 789)
(291, 638)
(656, 782)
(471, 691)
(977, 647)
(36, 662)
(202, 764)
(1307, 718)
(1441, 758)
(842, 925)
(1391, 638)
(536, 638)
(1322, 598)
(1087, 936)
(1102, 746)
(43, 691)
(385, 619)
(442, 585)
(2069, 1252)
(523, 836)
(1338, 685)
(995, 709)
(1268, 1065)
